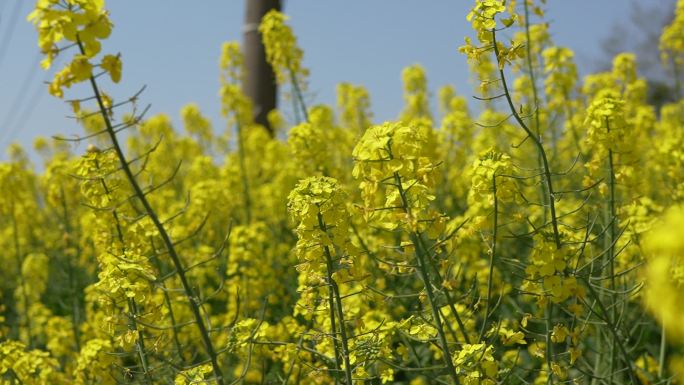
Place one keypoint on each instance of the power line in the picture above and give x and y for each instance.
(7, 37)
(26, 102)
(33, 100)
(27, 96)
(20, 100)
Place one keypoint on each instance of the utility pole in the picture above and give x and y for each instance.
(259, 84)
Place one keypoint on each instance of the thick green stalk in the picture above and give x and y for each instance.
(20, 275)
(535, 97)
(662, 353)
(299, 95)
(333, 329)
(427, 284)
(243, 174)
(172, 317)
(335, 291)
(193, 300)
(677, 79)
(492, 259)
(612, 328)
(549, 343)
(73, 282)
(546, 180)
(132, 306)
(611, 220)
(140, 340)
(546, 175)
(449, 298)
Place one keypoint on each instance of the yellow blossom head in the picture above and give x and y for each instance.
(280, 43)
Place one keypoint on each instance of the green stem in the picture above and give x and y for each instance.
(546, 178)
(333, 331)
(662, 353)
(20, 275)
(612, 329)
(449, 298)
(140, 341)
(172, 317)
(132, 306)
(535, 97)
(612, 219)
(299, 95)
(243, 174)
(678, 81)
(571, 127)
(549, 346)
(73, 281)
(193, 300)
(335, 291)
(427, 284)
(492, 258)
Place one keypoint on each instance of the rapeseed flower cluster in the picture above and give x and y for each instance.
(517, 245)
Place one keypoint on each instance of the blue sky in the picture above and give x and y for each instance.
(173, 48)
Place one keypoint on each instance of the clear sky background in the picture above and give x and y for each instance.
(173, 47)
